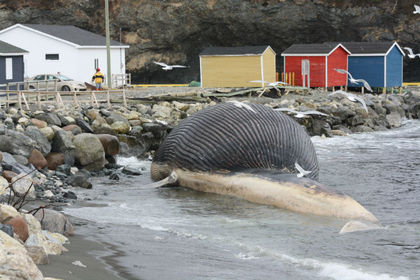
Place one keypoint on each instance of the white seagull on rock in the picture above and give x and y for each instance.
(167, 67)
(302, 172)
(410, 53)
(352, 98)
(353, 80)
(300, 114)
(416, 9)
(268, 84)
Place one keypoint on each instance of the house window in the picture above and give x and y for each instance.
(52, 56)
(9, 68)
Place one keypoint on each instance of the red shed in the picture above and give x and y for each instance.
(313, 64)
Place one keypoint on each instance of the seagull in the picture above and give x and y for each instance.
(411, 54)
(167, 67)
(352, 98)
(302, 172)
(300, 114)
(242, 105)
(274, 85)
(416, 9)
(353, 80)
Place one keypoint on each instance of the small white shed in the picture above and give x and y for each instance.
(73, 51)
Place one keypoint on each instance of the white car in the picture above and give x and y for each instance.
(47, 82)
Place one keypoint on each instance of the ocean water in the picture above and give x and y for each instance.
(176, 233)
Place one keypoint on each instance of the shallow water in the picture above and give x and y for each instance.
(177, 233)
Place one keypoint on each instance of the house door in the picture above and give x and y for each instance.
(305, 73)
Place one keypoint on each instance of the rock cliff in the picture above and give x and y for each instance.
(176, 31)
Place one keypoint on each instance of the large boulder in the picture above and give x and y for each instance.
(63, 143)
(23, 185)
(84, 125)
(89, 151)
(110, 143)
(17, 143)
(42, 143)
(3, 185)
(9, 163)
(15, 263)
(54, 221)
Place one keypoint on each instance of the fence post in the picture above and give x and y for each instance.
(124, 99)
(108, 99)
(39, 100)
(19, 100)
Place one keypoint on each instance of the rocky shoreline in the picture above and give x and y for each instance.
(45, 154)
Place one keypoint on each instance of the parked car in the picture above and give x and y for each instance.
(47, 82)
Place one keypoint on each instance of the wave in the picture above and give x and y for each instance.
(332, 270)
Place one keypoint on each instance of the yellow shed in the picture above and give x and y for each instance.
(237, 66)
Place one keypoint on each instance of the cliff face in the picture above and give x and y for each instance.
(175, 31)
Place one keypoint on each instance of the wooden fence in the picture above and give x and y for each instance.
(59, 98)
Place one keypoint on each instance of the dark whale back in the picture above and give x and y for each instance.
(229, 137)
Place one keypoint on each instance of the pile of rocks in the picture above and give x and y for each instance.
(26, 242)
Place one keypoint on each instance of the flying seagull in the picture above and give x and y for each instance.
(167, 67)
(416, 9)
(353, 80)
(242, 105)
(352, 98)
(302, 172)
(300, 114)
(411, 54)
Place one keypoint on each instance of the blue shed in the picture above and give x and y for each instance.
(11, 64)
(379, 63)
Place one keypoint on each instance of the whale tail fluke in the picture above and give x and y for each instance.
(355, 225)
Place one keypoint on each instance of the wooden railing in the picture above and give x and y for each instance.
(58, 98)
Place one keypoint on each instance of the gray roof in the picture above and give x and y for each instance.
(244, 50)
(73, 34)
(319, 49)
(6, 48)
(368, 47)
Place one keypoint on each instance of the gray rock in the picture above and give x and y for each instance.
(10, 163)
(394, 119)
(131, 171)
(64, 168)
(43, 145)
(157, 129)
(114, 117)
(63, 120)
(17, 143)
(80, 179)
(3, 129)
(54, 221)
(89, 151)
(63, 143)
(50, 118)
(7, 229)
(321, 127)
(84, 125)
(21, 159)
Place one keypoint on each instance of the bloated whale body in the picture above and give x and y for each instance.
(250, 152)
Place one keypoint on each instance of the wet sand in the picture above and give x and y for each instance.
(98, 257)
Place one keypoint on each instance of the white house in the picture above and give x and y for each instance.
(74, 52)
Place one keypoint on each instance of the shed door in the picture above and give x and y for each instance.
(305, 73)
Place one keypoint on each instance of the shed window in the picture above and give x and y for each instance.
(9, 68)
(52, 56)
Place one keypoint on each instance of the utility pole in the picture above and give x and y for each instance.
(108, 49)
